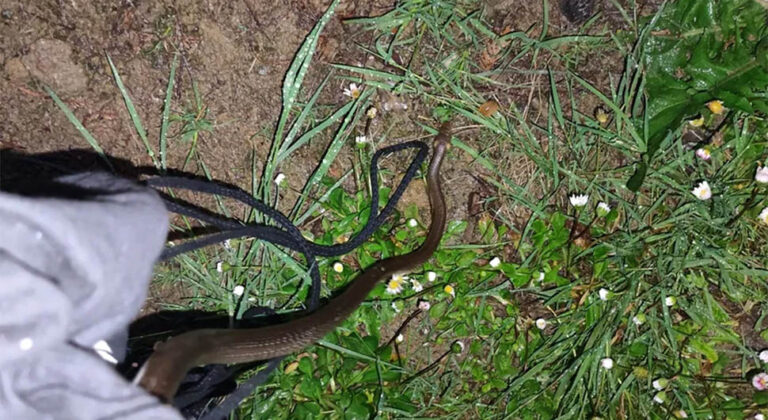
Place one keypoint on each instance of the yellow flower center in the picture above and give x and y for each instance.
(698, 122)
(448, 289)
(715, 106)
(393, 284)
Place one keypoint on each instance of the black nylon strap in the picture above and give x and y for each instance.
(276, 236)
(286, 234)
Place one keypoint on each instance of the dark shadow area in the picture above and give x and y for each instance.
(37, 174)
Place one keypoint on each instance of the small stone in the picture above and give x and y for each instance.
(16, 71)
(50, 60)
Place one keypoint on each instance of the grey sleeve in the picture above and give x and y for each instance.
(74, 271)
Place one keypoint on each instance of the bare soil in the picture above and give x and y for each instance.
(236, 52)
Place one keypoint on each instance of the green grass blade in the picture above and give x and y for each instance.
(167, 114)
(294, 78)
(79, 126)
(132, 112)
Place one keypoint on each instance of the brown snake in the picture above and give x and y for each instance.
(164, 370)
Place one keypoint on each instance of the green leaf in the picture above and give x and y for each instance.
(357, 411)
(305, 366)
(311, 387)
(705, 349)
(734, 409)
(760, 397)
(700, 50)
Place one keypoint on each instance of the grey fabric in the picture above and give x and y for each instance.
(73, 272)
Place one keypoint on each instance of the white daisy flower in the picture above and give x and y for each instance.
(395, 285)
(338, 267)
(681, 414)
(238, 290)
(670, 301)
(763, 356)
(541, 276)
(660, 397)
(758, 416)
(541, 323)
(353, 91)
(413, 223)
(495, 262)
(219, 267)
(607, 363)
(702, 191)
(417, 287)
(763, 215)
(431, 276)
(639, 319)
(603, 209)
(761, 175)
(660, 384)
(760, 381)
(579, 200)
(604, 294)
(401, 278)
(424, 305)
(360, 140)
(703, 153)
(450, 290)
(399, 339)
(279, 179)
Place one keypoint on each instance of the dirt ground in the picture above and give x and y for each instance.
(236, 52)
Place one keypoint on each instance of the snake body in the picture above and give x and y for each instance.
(167, 366)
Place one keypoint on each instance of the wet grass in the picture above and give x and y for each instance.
(653, 308)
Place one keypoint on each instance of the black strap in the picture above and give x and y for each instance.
(285, 234)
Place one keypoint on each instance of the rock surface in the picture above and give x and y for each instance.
(50, 61)
(16, 71)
